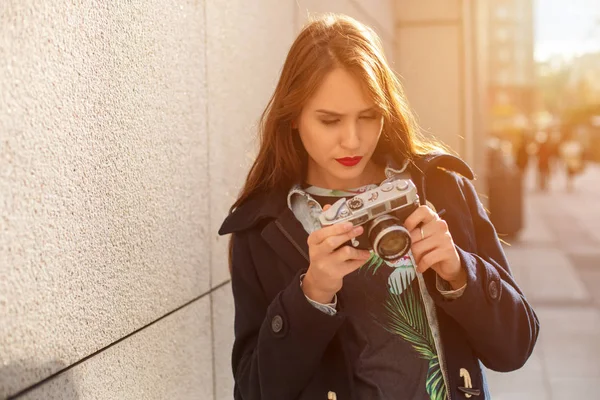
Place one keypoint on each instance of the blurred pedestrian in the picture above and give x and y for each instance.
(571, 152)
(544, 154)
(555, 159)
(522, 156)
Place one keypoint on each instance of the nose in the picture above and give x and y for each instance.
(350, 136)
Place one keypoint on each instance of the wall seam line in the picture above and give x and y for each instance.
(374, 22)
(208, 177)
(108, 346)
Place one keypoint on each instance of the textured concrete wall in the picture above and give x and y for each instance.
(377, 13)
(126, 129)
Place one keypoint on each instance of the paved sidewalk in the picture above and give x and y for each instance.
(556, 260)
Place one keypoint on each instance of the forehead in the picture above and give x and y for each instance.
(342, 92)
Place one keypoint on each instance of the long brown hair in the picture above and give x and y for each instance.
(325, 43)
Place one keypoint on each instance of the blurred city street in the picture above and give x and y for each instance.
(556, 260)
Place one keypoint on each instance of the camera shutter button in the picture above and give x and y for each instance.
(386, 187)
(402, 185)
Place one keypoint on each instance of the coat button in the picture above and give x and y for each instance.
(277, 324)
(493, 290)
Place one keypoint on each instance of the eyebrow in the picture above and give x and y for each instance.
(335, 114)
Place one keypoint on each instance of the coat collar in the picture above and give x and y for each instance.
(260, 207)
(278, 227)
(424, 163)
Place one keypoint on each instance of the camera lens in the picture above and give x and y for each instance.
(388, 237)
(392, 243)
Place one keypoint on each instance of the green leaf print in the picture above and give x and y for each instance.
(406, 317)
(341, 193)
(435, 380)
(373, 262)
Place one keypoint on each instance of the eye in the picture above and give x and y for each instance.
(330, 121)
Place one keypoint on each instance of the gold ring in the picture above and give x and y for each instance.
(422, 234)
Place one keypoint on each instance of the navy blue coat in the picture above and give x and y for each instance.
(286, 349)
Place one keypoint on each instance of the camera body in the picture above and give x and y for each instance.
(383, 211)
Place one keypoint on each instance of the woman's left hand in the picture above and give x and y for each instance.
(433, 247)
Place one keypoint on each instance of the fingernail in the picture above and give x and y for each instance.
(348, 225)
(357, 230)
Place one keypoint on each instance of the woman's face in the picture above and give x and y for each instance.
(340, 127)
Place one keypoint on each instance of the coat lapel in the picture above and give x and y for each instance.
(286, 236)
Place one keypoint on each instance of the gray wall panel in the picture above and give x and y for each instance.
(102, 157)
(246, 50)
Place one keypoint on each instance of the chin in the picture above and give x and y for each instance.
(346, 173)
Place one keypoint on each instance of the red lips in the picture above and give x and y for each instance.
(349, 161)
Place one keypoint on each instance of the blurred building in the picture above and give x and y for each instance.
(582, 92)
(569, 95)
(583, 82)
(442, 56)
(511, 91)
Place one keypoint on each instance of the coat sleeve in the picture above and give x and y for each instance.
(279, 342)
(501, 325)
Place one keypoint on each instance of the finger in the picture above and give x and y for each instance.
(326, 207)
(420, 233)
(333, 242)
(351, 266)
(349, 253)
(419, 249)
(415, 235)
(432, 258)
(318, 236)
(423, 214)
(429, 229)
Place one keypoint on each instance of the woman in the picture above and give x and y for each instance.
(316, 319)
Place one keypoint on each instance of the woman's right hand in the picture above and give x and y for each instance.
(328, 266)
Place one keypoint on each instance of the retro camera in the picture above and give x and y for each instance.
(382, 211)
